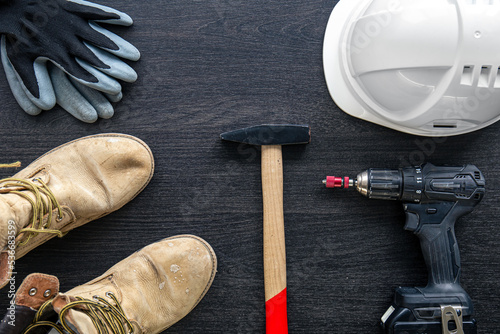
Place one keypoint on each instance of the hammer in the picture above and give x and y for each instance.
(271, 138)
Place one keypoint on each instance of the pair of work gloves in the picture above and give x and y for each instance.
(56, 52)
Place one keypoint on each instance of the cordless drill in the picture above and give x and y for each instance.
(433, 199)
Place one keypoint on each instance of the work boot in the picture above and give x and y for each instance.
(146, 293)
(67, 187)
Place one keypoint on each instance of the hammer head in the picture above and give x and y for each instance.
(270, 135)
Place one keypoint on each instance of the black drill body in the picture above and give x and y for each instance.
(433, 198)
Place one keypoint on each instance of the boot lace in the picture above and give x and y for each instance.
(42, 205)
(12, 165)
(106, 317)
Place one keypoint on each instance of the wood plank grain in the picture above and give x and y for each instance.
(213, 66)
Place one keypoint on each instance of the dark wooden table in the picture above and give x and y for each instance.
(212, 66)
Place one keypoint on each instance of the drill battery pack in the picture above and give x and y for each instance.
(428, 311)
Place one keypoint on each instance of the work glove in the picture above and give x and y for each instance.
(55, 51)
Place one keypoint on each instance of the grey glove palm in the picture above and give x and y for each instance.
(54, 51)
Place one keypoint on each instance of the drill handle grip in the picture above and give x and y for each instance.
(435, 227)
(441, 254)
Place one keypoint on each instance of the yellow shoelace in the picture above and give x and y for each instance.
(13, 165)
(41, 206)
(103, 315)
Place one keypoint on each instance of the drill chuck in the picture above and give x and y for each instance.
(380, 183)
(372, 183)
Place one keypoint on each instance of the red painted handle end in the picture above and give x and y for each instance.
(276, 318)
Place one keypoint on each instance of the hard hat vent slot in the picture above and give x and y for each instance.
(497, 81)
(484, 77)
(444, 126)
(467, 75)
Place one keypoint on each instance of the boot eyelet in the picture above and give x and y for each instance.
(59, 218)
(33, 292)
(95, 298)
(47, 293)
(110, 295)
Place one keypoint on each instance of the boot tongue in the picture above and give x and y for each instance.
(78, 321)
(35, 291)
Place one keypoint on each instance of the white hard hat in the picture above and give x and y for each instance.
(425, 67)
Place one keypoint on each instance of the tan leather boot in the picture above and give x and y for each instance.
(67, 187)
(146, 293)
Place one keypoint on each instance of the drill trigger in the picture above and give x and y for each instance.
(412, 221)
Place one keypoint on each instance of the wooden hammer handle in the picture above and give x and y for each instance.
(274, 240)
